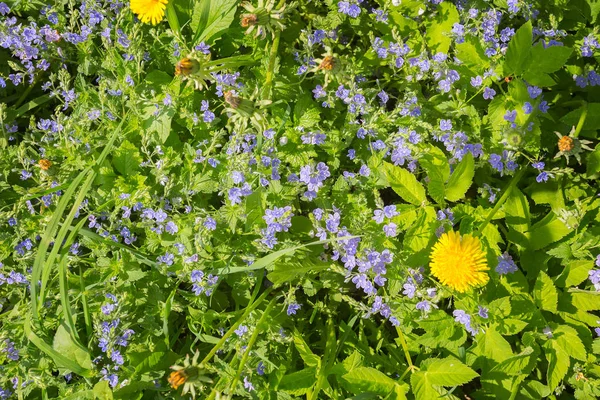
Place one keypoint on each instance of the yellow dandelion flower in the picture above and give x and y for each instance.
(459, 262)
(149, 11)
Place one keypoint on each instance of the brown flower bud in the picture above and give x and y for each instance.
(327, 64)
(232, 99)
(248, 20)
(186, 66)
(45, 164)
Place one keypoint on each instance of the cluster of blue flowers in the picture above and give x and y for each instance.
(112, 340)
(278, 219)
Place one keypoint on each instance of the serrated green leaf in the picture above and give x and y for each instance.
(545, 294)
(309, 358)
(449, 372)
(366, 379)
(126, 159)
(405, 184)
(299, 383)
(549, 59)
(516, 209)
(210, 18)
(558, 363)
(102, 391)
(549, 230)
(439, 30)
(518, 50)
(568, 339)
(575, 272)
(461, 179)
(518, 364)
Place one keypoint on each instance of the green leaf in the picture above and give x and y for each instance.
(127, 159)
(405, 184)
(210, 18)
(493, 345)
(436, 164)
(160, 124)
(461, 179)
(299, 383)
(309, 358)
(558, 363)
(102, 391)
(568, 339)
(422, 388)
(366, 379)
(518, 364)
(545, 294)
(149, 361)
(574, 273)
(66, 346)
(549, 230)
(439, 29)
(449, 372)
(471, 53)
(592, 120)
(547, 60)
(518, 50)
(516, 209)
(593, 162)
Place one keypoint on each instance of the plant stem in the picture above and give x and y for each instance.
(226, 336)
(250, 344)
(502, 199)
(582, 118)
(405, 348)
(271, 67)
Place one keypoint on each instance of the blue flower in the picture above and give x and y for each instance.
(292, 308)
(488, 93)
(506, 265)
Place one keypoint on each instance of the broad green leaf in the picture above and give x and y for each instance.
(439, 30)
(449, 372)
(518, 50)
(574, 273)
(549, 230)
(516, 209)
(436, 164)
(545, 294)
(287, 273)
(568, 338)
(518, 364)
(493, 346)
(298, 383)
(585, 300)
(405, 184)
(549, 59)
(461, 179)
(102, 391)
(592, 120)
(422, 388)
(558, 363)
(366, 379)
(593, 161)
(472, 54)
(210, 18)
(66, 346)
(149, 361)
(126, 159)
(534, 390)
(309, 358)
(546, 193)
(160, 123)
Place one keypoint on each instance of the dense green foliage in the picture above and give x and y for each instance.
(259, 187)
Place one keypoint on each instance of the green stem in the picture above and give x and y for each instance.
(405, 348)
(502, 199)
(226, 336)
(581, 122)
(172, 19)
(271, 67)
(250, 344)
